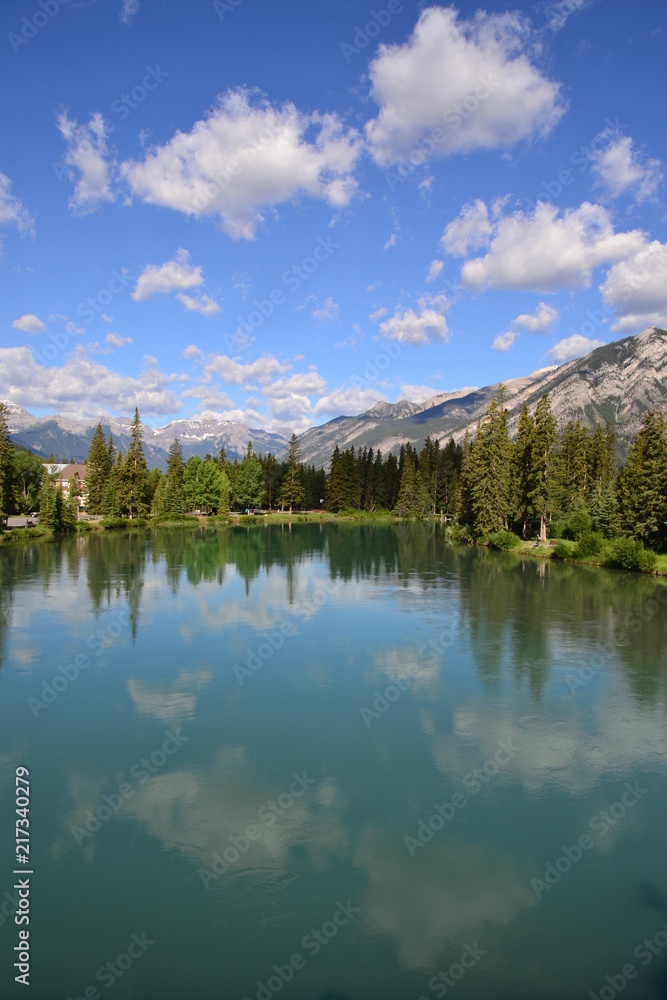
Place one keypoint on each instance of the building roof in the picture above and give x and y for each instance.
(67, 472)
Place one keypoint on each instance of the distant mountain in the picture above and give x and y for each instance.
(617, 382)
(67, 438)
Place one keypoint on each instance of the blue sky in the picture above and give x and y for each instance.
(280, 212)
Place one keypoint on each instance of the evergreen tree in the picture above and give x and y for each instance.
(542, 485)
(642, 485)
(490, 470)
(292, 488)
(521, 470)
(336, 498)
(112, 504)
(135, 472)
(464, 511)
(6, 466)
(413, 498)
(99, 470)
(272, 474)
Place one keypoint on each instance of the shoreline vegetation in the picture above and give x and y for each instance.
(554, 549)
(563, 495)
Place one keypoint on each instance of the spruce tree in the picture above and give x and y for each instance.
(642, 485)
(490, 470)
(99, 469)
(292, 488)
(541, 492)
(521, 470)
(135, 472)
(336, 497)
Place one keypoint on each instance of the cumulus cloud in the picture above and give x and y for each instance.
(80, 388)
(619, 168)
(470, 230)
(12, 209)
(637, 289)
(504, 341)
(245, 159)
(192, 353)
(418, 393)
(86, 161)
(425, 327)
(115, 340)
(234, 372)
(327, 312)
(161, 279)
(575, 346)
(349, 400)
(462, 85)
(547, 250)
(540, 321)
(434, 270)
(29, 323)
(203, 304)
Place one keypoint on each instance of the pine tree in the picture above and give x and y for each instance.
(99, 469)
(642, 485)
(541, 492)
(112, 503)
(292, 488)
(490, 470)
(464, 513)
(336, 496)
(135, 471)
(521, 470)
(6, 466)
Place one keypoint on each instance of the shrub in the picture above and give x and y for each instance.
(590, 544)
(459, 533)
(503, 540)
(628, 553)
(562, 550)
(123, 522)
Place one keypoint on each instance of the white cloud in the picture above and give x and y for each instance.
(233, 372)
(12, 209)
(470, 230)
(504, 341)
(418, 329)
(328, 311)
(192, 352)
(418, 393)
(391, 242)
(161, 279)
(86, 158)
(348, 400)
(619, 168)
(128, 10)
(116, 340)
(559, 11)
(81, 388)
(547, 250)
(637, 289)
(29, 323)
(245, 159)
(106, 318)
(378, 314)
(204, 304)
(575, 346)
(462, 85)
(434, 270)
(540, 321)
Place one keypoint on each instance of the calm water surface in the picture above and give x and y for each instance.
(333, 762)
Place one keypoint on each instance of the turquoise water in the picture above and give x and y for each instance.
(332, 762)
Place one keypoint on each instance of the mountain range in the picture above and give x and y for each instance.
(618, 382)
